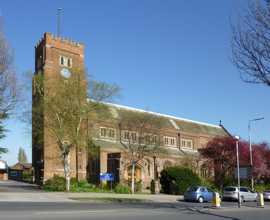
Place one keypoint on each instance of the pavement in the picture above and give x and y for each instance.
(24, 201)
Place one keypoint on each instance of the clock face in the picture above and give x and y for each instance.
(65, 73)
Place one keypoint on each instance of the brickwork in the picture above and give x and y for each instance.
(46, 155)
(48, 53)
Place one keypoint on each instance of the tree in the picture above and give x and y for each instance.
(2, 149)
(22, 158)
(220, 156)
(251, 44)
(140, 137)
(66, 109)
(8, 89)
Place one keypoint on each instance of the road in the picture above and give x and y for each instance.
(23, 201)
(83, 211)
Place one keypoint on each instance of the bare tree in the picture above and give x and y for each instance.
(7, 83)
(251, 44)
(140, 137)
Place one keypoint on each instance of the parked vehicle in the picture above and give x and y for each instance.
(198, 194)
(266, 195)
(231, 193)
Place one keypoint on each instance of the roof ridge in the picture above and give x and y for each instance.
(162, 115)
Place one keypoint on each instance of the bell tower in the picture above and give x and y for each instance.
(54, 57)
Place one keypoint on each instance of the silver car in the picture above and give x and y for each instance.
(231, 193)
(266, 195)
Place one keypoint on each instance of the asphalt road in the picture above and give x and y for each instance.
(83, 211)
(72, 210)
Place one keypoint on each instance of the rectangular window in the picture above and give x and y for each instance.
(134, 136)
(126, 135)
(69, 62)
(154, 139)
(108, 133)
(62, 61)
(147, 139)
(111, 133)
(103, 132)
(170, 141)
(187, 143)
(166, 140)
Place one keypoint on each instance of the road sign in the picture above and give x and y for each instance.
(244, 172)
(106, 177)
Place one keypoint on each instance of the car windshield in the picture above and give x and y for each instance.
(193, 189)
(230, 189)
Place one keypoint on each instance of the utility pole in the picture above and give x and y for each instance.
(59, 12)
(238, 172)
(250, 149)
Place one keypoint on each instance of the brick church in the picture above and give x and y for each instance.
(180, 137)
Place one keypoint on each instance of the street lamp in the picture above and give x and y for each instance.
(250, 148)
(238, 172)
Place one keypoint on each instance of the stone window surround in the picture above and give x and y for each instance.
(186, 143)
(107, 133)
(169, 141)
(65, 61)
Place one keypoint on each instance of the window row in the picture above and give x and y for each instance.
(131, 136)
(186, 143)
(107, 133)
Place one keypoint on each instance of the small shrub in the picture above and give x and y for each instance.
(56, 183)
(82, 186)
(261, 187)
(211, 185)
(138, 186)
(175, 180)
(27, 177)
(121, 188)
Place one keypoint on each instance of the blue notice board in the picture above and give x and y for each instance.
(106, 177)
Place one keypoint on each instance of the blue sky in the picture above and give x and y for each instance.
(170, 56)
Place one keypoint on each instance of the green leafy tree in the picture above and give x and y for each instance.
(66, 108)
(22, 158)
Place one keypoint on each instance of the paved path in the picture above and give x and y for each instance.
(15, 186)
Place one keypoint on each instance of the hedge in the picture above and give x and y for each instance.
(175, 180)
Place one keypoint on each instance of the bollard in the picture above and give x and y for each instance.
(216, 200)
(260, 200)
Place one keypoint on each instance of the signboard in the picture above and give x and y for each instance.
(106, 177)
(244, 172)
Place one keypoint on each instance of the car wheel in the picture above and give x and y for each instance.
(200, 200)
(242, 199)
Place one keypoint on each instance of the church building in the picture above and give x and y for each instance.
(181, 138)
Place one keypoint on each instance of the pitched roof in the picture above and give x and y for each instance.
(169, 121)
(21, 166)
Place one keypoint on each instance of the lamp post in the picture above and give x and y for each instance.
(250, 148)
(238, 172)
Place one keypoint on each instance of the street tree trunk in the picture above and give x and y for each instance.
(133, 178)
(77, 164)
(155, 176)
(67, 170)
